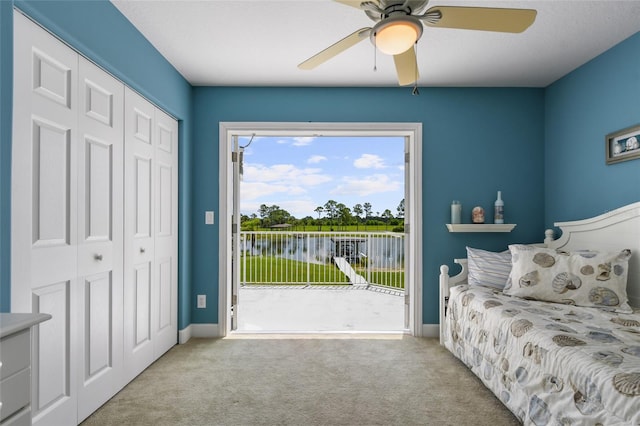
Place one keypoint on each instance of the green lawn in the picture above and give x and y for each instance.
(393, 279)
(278, 271)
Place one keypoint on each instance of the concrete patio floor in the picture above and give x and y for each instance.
(313, 309)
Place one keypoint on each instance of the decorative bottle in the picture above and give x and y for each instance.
(499, 209)
(456, 211)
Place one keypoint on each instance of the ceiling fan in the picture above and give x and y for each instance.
(399, 25)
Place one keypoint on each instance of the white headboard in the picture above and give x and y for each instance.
(616, 230)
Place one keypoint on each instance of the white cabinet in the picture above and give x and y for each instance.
(15, 380)
(15, 367)
(94, 225)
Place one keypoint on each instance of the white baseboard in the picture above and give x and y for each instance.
(430, 330)
(212, 331)
(198, 330)
(184, 335)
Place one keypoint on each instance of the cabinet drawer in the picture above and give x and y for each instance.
(15, 353)
(21, 418)
(15, 393)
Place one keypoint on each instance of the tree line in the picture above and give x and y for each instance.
(331, 216)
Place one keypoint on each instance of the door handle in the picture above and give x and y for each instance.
(97, 257)
(142, 250)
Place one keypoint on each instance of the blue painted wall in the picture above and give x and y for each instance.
(475, 142)
(601, 97)
(544, 148)
(101, 33)
(6, 83)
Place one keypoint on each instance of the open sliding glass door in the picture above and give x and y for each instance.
(236, 158)
(407, 228)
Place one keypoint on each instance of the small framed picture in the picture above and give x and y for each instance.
(623, 145)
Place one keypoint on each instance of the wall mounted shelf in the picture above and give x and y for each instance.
(480, 227)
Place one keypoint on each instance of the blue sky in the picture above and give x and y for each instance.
(301, 173)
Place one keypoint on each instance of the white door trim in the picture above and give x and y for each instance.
(413, 213)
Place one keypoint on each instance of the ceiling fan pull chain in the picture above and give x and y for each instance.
(415, 91)
(375, 56)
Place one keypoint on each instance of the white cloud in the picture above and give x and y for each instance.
(303, 140)
(316, 159)
(367, 185)
(261, 181)
(297, 141)
(369, 161)
(285, 174)
(255, 190)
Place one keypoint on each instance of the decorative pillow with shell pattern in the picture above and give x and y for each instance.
(583, 278)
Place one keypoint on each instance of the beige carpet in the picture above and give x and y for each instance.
(305, 380)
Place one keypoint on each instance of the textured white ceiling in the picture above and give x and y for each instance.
(261, 42)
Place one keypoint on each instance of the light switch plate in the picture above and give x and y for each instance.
(208, 218)
(202, 301)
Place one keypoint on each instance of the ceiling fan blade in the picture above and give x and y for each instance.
(334, 49)
(356, 3)
(480, 18)
(406, 67)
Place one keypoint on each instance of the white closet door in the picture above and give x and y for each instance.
(139, 273)
(44, 235)
(100, 236)
(94, 191)
(165, 288)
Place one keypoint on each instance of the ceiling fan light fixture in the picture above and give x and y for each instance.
(396, 34)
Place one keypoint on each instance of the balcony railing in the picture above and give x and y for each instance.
(322, 258)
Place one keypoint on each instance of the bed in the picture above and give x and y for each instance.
(552, 330)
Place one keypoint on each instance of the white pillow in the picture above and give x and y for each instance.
(488, 268)
(584, 278)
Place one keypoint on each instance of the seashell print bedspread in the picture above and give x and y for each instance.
(550, 364)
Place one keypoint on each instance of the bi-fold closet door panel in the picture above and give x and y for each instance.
(67, 222)
(138, 230)
(96, 251)
(100, 236)
(166, 232)
(44, 207)
(150, 269)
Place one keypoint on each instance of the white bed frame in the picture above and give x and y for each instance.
(615, 230)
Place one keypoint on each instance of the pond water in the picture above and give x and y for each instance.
(379, 251)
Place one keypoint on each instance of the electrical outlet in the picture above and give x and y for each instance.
(202, 301)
